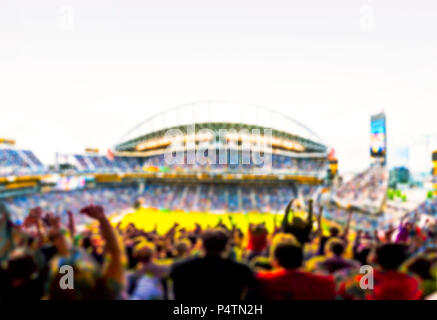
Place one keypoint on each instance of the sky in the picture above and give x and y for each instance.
(77, 74)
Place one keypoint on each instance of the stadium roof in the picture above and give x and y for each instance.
(219, 112)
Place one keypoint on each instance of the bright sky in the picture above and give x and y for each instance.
(76, 74)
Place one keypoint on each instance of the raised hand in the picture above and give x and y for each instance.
(69, 214)
(290, 203)
(34, 216)
(71, 224)
(36, 212)
(93, 211)
(286, 214)
(53, 220)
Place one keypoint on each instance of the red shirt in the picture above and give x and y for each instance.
(257, 242)
(392, 285)
(388, 285)
(285, 284)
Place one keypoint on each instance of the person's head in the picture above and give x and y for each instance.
(144, 252)
(361, 255)
(260, 228)
(215, 242)
(238, 237)
(334, 232)
(21, 267)
(298, 222)
(336, 247)
(182, 248)
(193, 239)
(78, 269)
(58, 239)
(282, 238)
(391, 256)
(288, 255)
(422, 267)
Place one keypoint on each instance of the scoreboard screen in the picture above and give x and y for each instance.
(378, 136)
(70, 183)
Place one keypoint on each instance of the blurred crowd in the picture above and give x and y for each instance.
(305, 256)
(21, 162)
(96, 163)
(202, 197)
(207, 197)
(237, 162)
(428, 207)
(114, 200)
(18, 162)
(366, 190)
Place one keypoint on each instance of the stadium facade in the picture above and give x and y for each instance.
(231, 138)
(225, 157)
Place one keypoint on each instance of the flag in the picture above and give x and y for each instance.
(110, 155)
(331, 154)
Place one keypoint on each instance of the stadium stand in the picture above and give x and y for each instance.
(366, 191)
(428, 207)
(199, 197)
(279, 162)
(97, 163)
(19, 162)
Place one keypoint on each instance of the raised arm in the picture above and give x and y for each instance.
(276, 229)
(310, 212)
(348, 223)
(319, 223)
(115, 269)
(71, 224)
(357, 241)
(285, 223)
(376, 236)
(170, 233)
(231, 221)
(35, 217)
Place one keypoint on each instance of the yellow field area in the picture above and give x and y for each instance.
(148, 218)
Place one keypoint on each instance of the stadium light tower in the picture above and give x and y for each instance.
(378, 138)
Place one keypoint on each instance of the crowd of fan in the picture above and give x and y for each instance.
(428, 207)
(366, 190)
(206, 197)
(59, 203)
(304, 257)
(364, 222)
(201, 197)
(97, 163)
(17, 162)
(238, 162)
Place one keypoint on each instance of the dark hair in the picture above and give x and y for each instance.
(86, 242)
(193, 239)
(421, 266)
(288, 255)
(362, 255)
(22, 267)
(215, 241)
(337, 248)
(391, 256)
(144, 256)
(334, 231)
